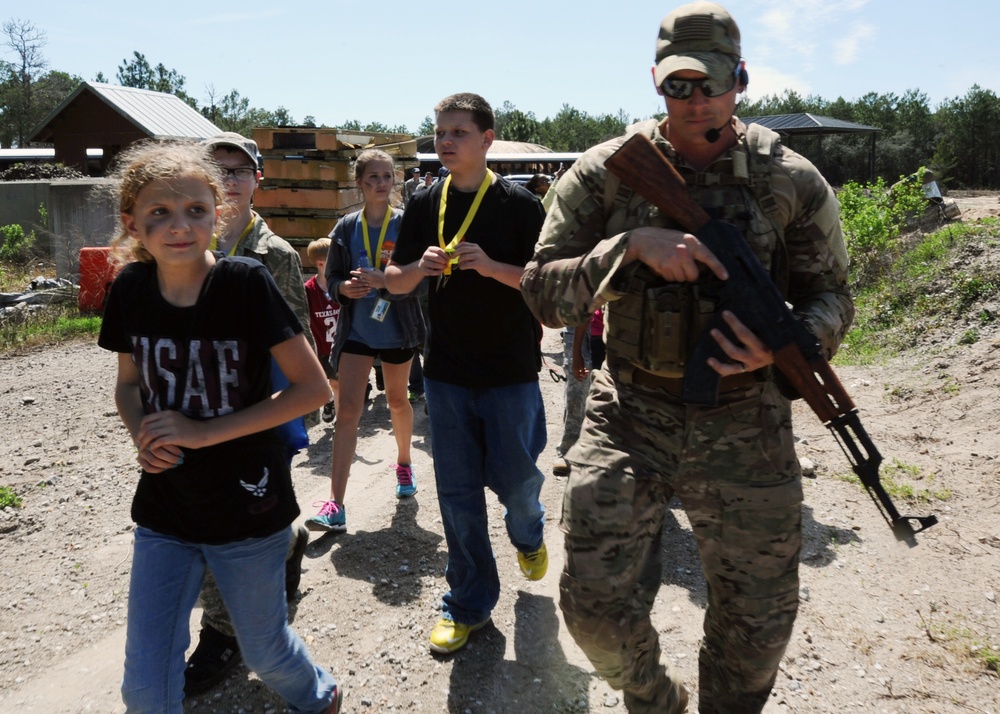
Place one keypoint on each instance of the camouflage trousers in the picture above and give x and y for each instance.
(214, 613)
(734, 469)
(575, 393)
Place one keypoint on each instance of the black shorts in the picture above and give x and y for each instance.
(328, 369)
(388, 356)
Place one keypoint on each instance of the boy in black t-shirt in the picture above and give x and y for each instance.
(471, 235)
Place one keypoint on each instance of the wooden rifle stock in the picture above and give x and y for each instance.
(755, 299)
(641, 167)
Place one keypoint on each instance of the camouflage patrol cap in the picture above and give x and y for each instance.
(701, 36)
(235, 142)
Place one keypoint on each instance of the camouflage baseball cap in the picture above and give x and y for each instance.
(237, 142)
(701, 36)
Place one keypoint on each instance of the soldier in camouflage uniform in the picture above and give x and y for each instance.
(733, 467)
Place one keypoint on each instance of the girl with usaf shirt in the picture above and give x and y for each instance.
(195, 332)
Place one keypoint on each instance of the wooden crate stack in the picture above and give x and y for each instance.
(307, 183)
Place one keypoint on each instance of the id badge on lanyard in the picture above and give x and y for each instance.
(380, 310)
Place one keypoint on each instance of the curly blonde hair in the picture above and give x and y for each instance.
(153, 160)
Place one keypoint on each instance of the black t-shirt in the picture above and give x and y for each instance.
(208, 360)
(481, 333)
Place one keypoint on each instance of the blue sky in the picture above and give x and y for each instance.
(391, 61)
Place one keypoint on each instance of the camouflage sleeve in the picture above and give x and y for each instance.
(576, 256)
(285, 266)
(817, 254)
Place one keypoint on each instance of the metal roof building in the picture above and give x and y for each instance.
(806, 124)
(110, 117)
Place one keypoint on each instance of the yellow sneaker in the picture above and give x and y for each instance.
(449, 636)
(534, 565)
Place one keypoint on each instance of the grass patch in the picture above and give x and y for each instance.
(934, 289)
(898, 481)
(8, 498)
(990, 659)
(52, 325)
(964, 642)
(35, 327)
(15, 277)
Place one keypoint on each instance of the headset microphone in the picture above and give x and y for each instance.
(712, 135)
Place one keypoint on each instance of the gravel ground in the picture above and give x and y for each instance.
(881, 628)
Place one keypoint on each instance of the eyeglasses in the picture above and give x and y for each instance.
(242, 173)
(710, 87)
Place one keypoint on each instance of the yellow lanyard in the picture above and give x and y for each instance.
(377, 261)
(214, 244)
(460, 236)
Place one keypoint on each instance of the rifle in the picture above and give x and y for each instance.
(752, 296)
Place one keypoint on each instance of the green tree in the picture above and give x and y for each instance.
(139, 73)
(426, 127)
(970, 133)
(565, 131)
(521, 127)
(18, 100)
(790, 102)
(281, 117)
(914, 115)
(878, 110)
(355, 125)
(46, 94)
(840, 109)
(511, 124)
(232, 112)
(573, 130)
(911, 141)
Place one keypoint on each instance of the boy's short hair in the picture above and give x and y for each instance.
(318, 249)
(482, 112)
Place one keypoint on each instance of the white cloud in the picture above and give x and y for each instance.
(846, 49)
(782, 34)
(797, 32)
(765, 80)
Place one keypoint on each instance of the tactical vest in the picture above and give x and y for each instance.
(656, 323)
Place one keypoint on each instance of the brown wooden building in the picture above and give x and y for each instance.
(110, 117)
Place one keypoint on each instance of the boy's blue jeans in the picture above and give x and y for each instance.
(484, 438)
(166, 576)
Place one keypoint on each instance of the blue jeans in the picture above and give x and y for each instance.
(166, 576)
(484, 438)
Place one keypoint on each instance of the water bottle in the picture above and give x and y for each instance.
(366, 267)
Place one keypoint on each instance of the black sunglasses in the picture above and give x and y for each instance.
(710, 87)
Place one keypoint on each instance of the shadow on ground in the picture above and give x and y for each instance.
(391, 559)
(539, 679)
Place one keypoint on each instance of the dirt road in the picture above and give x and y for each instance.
(881, 628)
